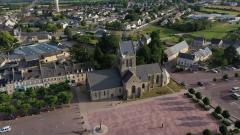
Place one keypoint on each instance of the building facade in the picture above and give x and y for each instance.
(129, 80)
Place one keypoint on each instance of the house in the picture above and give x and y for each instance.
(216, 42)
(10, 23)
(186, 61)
(203, 54)
(129, 80)
(146, 39)
(172, 52)
(198, 42)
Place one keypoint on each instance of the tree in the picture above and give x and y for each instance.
(25, 108)
(230, 53)
(206, 101)
(83, 23)
(109, 43)
(223, 130)
(30, 92)
(225, 76)
(18, 95)
(50, 101)
(64, 97)
(80, 53)
(198, 95)
(41, 92)
(4, 98)
(236, 75)
(143, 55)
(6, 41)
(237, 124)
(218, 110)
(155, 36)
(207, 132)
(214, 79)
(192, 91)
(225, 114)
(189, 133)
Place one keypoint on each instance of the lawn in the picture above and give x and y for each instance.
(218, 30)
(172, 87)
(166, 34)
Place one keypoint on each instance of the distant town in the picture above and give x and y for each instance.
(120, 67)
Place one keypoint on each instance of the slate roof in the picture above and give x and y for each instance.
(215, 41)
(104, 79)
(127, 48)
(186, 56)
(127, 76)
(143, 71)
(176, 48)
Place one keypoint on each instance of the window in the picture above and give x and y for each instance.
(158, 79)
(133, 89)
(143, 86)
(104, 93)
(95, 94)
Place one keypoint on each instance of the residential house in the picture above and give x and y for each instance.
(172, 52)
(217, 42)
(198, 42)
(186, 61)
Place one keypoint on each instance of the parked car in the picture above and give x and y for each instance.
(235, 96)
(214, 71)
(5, 129)
(200, 83)
(234, 89)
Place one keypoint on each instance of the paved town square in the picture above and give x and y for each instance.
(168, 115)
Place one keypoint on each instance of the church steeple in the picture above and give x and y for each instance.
(127, 57)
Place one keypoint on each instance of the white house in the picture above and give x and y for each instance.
(186, 61)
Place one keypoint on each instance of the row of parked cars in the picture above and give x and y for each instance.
(5, 129)
(219, 70)
(234, 91)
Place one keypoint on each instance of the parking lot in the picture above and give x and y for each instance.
(218, 92)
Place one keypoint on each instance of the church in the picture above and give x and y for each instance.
(129, 80)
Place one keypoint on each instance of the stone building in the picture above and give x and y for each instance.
(129, 80)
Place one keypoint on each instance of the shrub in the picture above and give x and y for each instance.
(214, 79)
(215, 115)
(218, 110)
(225, 76)
(206, 101)
(226, 122)
(225, 114)
(198, 95)
(207, 132)
(223, 130)
(236, 75)
(237, 124)
(189, 133)
(191, 90)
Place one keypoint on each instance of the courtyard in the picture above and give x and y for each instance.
(177, 114)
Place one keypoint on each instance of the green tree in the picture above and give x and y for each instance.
(206, 101)
(80, 53)
(4, 98)
(225, 76)
(231, 54)
(226, 114)
(109, 43)
(41, 92)
(207, 132)
(198, 95)
(25, 108)
(7, 41)
(18, 95)
(218, 110)
(64, 97)
(30, 92)
(143, 54)
(237, 124)
(83, 23)
(223, 130)
(192, 91)
(50, 101)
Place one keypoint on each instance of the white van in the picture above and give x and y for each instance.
(5, 129)
(235, 96)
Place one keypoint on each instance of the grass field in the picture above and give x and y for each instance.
(219, 10)
(218, 30)
(165, 33)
